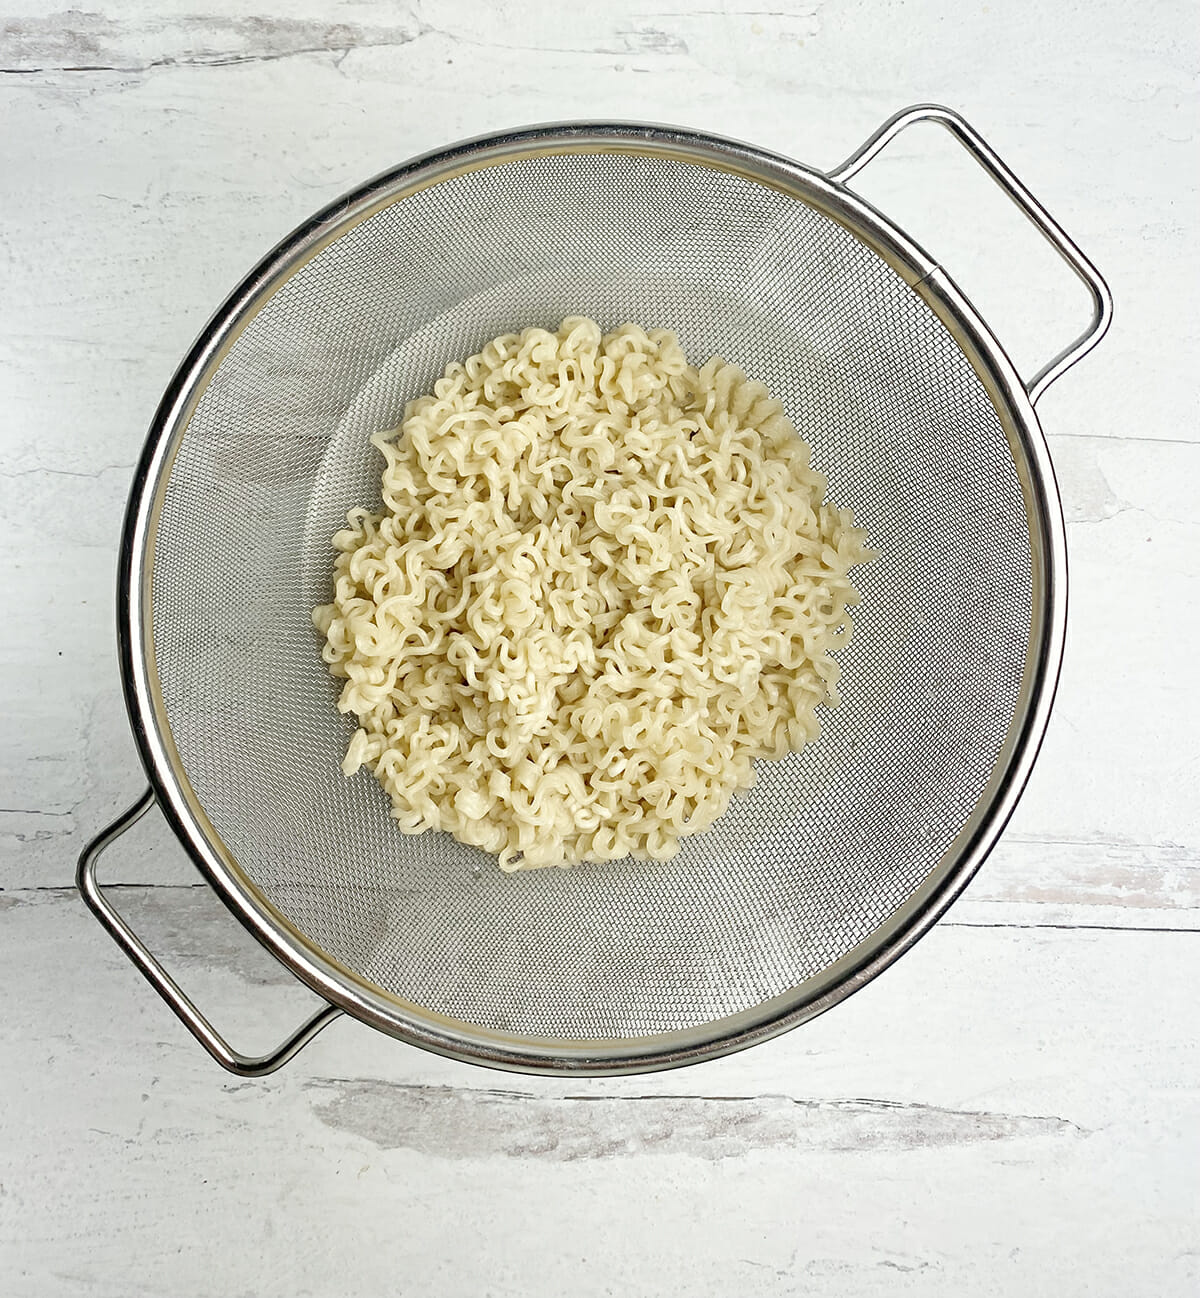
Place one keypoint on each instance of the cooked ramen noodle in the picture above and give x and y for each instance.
(603, 584)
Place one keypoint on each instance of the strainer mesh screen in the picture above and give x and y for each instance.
(831, 840)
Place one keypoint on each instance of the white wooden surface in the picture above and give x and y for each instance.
(1013, 1109)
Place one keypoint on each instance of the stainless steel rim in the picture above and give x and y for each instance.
(464, 1041)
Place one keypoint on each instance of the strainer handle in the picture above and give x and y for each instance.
(1042, 221)
(161, 981)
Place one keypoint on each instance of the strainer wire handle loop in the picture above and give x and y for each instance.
(1042, 221)
(161, 981)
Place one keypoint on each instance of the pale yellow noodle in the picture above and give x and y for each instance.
(603, 584)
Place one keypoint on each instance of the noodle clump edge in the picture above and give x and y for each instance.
(603, 584)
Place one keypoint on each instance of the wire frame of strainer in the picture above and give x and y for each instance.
(843, 854)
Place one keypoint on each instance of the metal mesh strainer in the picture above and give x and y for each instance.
(843, 853)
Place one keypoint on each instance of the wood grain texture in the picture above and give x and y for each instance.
(1013, 1109)
(1034, 1133)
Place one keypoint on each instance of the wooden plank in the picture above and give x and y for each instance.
(1108, 831)
(1004, 1111)
(152, 171)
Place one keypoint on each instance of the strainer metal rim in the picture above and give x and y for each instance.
(467, 1042)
